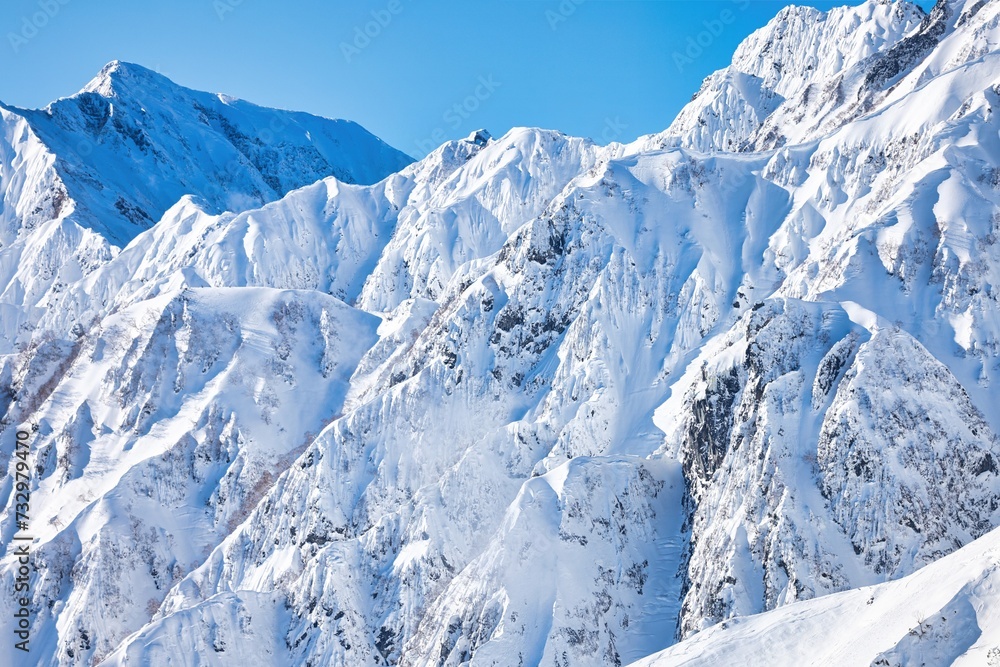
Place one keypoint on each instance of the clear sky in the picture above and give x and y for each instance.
(414, 72)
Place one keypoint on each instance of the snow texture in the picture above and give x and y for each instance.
(724, 395)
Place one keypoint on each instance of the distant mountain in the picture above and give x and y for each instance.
(533, 400)
(87, 174)
(132, 143)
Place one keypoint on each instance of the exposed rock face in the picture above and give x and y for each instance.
(804, 74)
(529, 400)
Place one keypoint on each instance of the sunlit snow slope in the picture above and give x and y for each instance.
(945, 614)
(529, 400)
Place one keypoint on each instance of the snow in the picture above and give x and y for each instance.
(530, 400)
(84, 176)
(945, 614)
(789, 80)
(120, 124)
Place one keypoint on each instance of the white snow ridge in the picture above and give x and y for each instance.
(726, 395)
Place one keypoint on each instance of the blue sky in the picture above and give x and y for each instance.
(415, 72)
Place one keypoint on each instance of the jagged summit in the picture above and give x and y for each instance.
(117, 74)
(795, 78)
(529, 400)
(807, 73)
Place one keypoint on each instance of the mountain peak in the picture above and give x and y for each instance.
(803, 59)
(117, 75)
(130, 120)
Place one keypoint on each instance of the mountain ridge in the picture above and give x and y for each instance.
(255, 167)
(580, 404)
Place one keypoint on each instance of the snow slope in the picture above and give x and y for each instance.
(84, 176)
(945, 614)
(536, 401)
(171, 424)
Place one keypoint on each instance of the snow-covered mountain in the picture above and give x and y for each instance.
(529, 400)
(803, 74)
(945, 614)
(132, 143)
(84, 176)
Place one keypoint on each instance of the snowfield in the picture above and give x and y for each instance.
(723, 395)
(945, 614)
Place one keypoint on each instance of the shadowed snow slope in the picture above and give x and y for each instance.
(132, 142)
(531, 400)
(84, 176)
